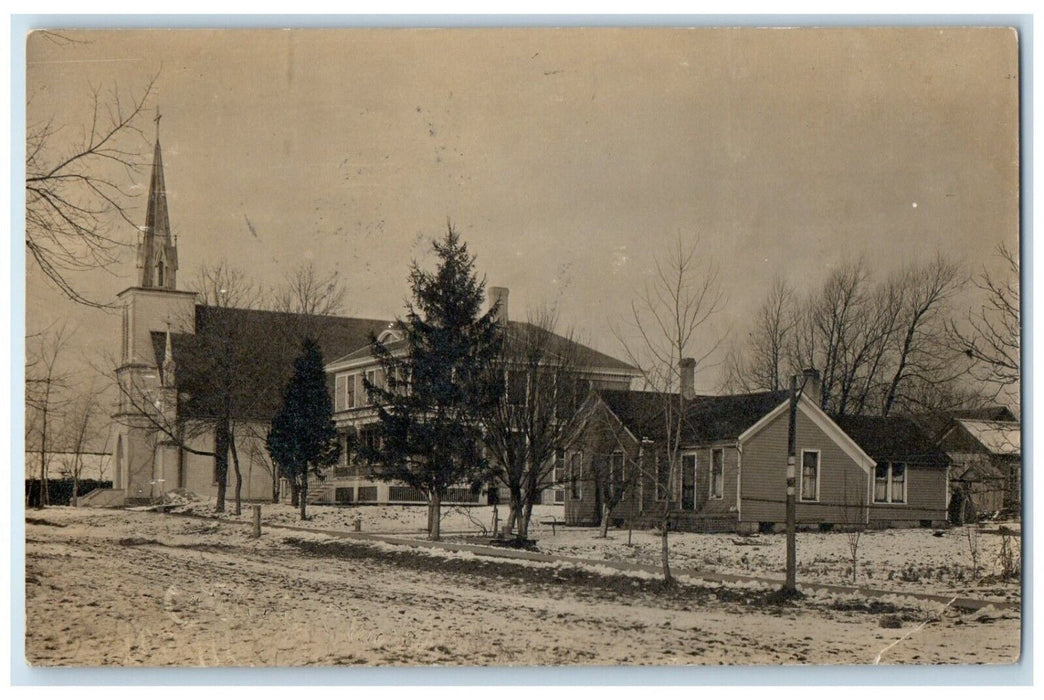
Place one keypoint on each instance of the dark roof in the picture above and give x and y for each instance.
(262, 348)
(707, 418)
(893, 438)
(578, 353)
(937, 423)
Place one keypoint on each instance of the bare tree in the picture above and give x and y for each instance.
(878, 345)
(919, 351)
(82, 416)
(307, 291)
(45, 385)
(992, 339)
(221, 284)
(533, 420)
(762, 363)
(74, 204)
(667, 316)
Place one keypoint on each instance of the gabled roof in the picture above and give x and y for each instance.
(262, 348)
(893, 438)
(1002, 438)
(580, 354)
(938, 423)
(707, 418)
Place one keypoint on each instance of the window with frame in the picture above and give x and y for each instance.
(371, 377)
(717, 473)
(350, 391)
(810, 475)
(558, 476)
(341, 392)
(890, 483)
(617, 468)
(881, 483)
(576, 467)
(516, 387)
(662, 475)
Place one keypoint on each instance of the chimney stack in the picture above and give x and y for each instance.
(813, 385)
(499, 295)
(687, 367)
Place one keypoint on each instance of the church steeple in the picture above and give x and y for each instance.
(157, 250)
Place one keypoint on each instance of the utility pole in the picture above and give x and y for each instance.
(791, 582)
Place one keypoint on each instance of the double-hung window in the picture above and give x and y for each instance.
(717, 474)
(810, 475)
(663, 471)
(890, 483)
(351, 391)
(576, 468)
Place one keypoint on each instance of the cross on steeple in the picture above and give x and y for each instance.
(157, 251)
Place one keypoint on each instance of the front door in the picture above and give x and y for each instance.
(688, 494)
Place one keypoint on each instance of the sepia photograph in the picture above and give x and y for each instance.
(522, 347)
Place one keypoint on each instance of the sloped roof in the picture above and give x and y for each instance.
(998, 437)
(262, 347)
(939, 422)
(707, 418)
(578, 353)
(893, 438)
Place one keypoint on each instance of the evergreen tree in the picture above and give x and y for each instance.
(435, 384)
(302, 439)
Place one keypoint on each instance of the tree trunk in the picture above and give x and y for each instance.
(527, 516)
(275, 484)
(302, 497)
(221, 463)
(295, 494)
(436, 517)
(239, 477)
(604, 531)
(665, 558)
(76, 478)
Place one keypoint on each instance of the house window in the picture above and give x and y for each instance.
(516, 388)
(371, 377)
(898, 483)
(558, 476)
(890, 483)
(717, 475)
(617, 470)
(339, 390)
(662, 475)
(881, 484)
(350, 391)
(810, 475)
(576, 467)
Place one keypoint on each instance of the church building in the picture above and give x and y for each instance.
(192, 374)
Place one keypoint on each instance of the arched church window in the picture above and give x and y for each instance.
(159, 274)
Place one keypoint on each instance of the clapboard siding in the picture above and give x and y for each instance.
(843, 483)
(925, 498)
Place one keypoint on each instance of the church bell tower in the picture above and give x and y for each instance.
(144, 460)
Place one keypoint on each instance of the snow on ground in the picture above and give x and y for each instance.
(377, 518)
(139, 588)
(911, 559)
(908, 559)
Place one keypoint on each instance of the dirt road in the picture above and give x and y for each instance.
(119, 588)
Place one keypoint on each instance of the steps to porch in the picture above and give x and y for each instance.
(103, 498)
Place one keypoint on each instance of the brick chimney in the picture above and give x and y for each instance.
(687, 368)
(813, 385)
(499, 295)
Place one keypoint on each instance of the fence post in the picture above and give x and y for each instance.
(358, 524)
(257, 522)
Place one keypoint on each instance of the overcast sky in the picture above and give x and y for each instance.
(566, 158)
